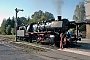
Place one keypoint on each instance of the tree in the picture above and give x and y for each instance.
(8, 30)
(8, 25)
(23, 20)
(28, 18)
(13, 31)
(3, 26)
(83, 27)
(0, 30)
(13, 22)
(48, 15)
(8, 21)
(37, 15)
(41, 16)
(79, 14)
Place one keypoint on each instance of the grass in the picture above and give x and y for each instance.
(13, 37)
(24, 45)
(10, 36)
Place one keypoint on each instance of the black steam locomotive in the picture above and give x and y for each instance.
(46, 32)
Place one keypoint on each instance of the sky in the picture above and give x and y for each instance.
(7, 8)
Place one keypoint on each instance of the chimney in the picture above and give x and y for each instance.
(59, 18)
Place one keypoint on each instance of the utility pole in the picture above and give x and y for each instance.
(17, 10)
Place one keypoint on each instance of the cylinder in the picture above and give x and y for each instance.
(59, 18)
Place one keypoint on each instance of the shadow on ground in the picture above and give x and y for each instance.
(81, 45)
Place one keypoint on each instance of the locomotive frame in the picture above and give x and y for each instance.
(47, 33)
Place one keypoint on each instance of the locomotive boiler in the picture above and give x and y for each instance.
(50, 25)
(45, 32)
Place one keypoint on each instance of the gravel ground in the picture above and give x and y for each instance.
(24, 49)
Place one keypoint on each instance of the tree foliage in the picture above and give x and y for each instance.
(41, 16)
(8, 25)
(8, 30)
(79, 15)
(3, 26)
(83, 27)
(12, 31)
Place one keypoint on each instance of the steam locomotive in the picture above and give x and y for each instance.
(46, 32)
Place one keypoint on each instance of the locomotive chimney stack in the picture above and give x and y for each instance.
(59, 18)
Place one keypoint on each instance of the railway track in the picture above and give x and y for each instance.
(83, 45)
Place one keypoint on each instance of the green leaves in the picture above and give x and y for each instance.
(13, 31)
(41, 16)
(8, 25)
(8, 30)
(79, 13)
